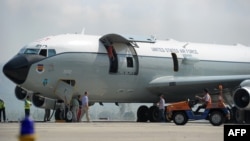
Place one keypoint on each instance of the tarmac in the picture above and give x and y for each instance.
(116, 131)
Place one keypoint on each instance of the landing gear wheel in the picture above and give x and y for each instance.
(180, 118)
(154, 115)
(216, 118)
(69, 116)
(142, 114)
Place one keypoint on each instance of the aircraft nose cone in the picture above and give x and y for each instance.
(18, 67)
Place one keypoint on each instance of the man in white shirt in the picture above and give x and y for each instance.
(85, 106)
(206, 99)
(162, 108)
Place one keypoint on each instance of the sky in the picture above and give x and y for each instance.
(203, 21)
(208, 21)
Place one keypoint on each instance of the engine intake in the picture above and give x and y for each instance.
(241, 98)
(43, 102)
(20, 93)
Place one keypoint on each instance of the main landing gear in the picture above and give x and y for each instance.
(145, 113)
(63, 113)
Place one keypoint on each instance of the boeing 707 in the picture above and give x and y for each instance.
(117, 68)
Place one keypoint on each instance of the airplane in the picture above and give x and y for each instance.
(56, 68)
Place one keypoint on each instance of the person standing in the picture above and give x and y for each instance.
(85, 106)
(47, 115)
(2, 110)
(74, 108)
(111, 58)
(220, 98)
(110, 52)
(79, 113)
(206, 99)
(221, 101)
(161, 104)
(27, 105)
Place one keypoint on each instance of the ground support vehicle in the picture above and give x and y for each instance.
(180, 112)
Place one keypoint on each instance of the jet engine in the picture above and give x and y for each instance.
(241, 96)
(20, 93)
(44, 102)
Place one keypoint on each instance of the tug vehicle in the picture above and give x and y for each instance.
(180, 112)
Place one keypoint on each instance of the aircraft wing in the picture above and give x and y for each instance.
(196, 83)
(193, 80)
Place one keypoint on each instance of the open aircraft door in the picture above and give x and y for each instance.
(64, 90)
(125, 57)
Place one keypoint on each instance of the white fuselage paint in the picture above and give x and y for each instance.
(84, 59)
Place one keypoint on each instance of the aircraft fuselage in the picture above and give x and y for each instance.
(141, 65)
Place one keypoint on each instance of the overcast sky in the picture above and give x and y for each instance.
(209, 21)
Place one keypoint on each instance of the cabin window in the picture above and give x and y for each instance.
(175, 62)
(130, 62)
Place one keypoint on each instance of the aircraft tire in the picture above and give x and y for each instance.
(142, 114)
(154, 115)
(69, 116)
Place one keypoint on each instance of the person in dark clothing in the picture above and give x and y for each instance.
(79, 98)
(2, 110)
(47, 115)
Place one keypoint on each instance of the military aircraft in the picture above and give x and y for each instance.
(117, 68)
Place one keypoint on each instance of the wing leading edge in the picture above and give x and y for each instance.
(174, 84)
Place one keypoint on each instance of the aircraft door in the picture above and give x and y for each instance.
(122, 54)
(126, 59)
(65, 90)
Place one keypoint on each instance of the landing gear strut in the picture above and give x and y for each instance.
(64, 114)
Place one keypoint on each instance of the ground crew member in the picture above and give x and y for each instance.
(221, 100)
(161, 105)
(2, 110)
(47, 115)
(85, 106)
(27, 105)
(206, 99)
(74, 108)
(79, 113)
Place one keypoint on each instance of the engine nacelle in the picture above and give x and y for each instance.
(241, 98)
(44, 102)
(20, 93)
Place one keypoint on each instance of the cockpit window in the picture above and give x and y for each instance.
(43, 52)
(51, 52)
(40, 51)
(31, 51)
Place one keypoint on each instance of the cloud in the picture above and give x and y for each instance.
(209, 21)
